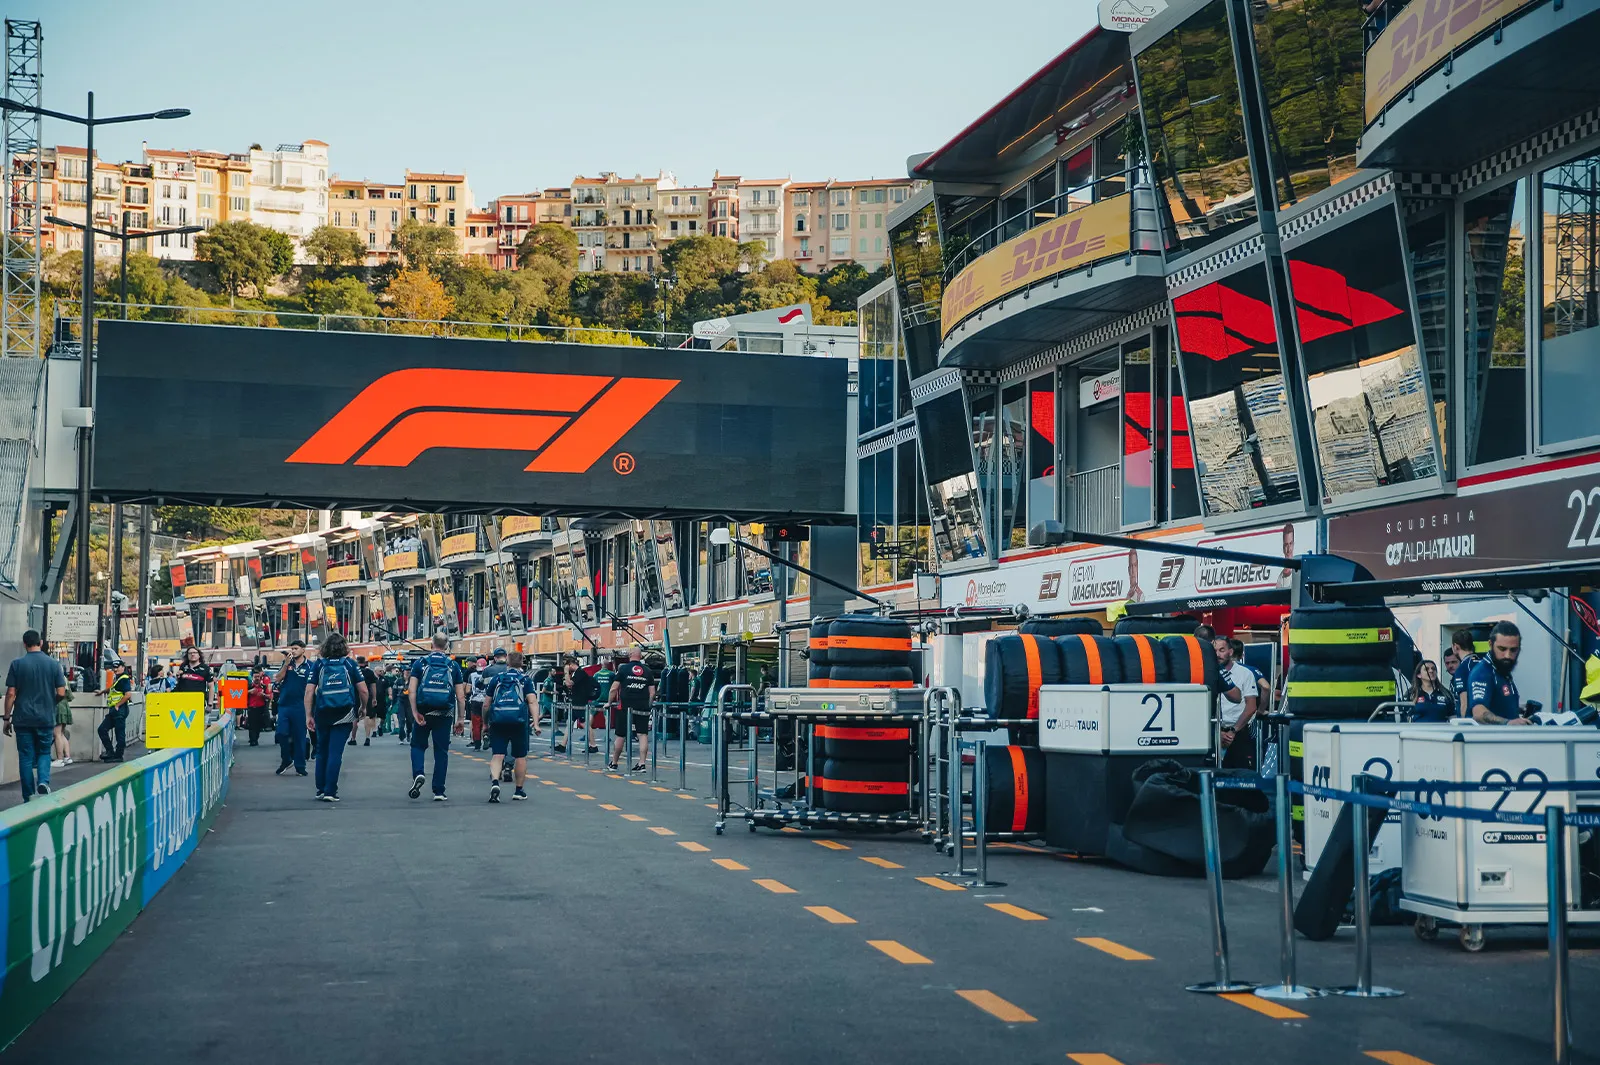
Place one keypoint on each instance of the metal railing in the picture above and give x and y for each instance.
(1096, 500)
(1074, 199)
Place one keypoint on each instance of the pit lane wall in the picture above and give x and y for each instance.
(81, 863)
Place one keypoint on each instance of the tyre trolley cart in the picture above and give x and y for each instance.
(777, 806)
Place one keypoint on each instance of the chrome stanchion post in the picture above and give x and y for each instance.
(1223, 984)
(1555, 840)
(1288, 989)
(656, 718)
(683, 750)
(980, 797)
(1363, 905)
(958, 835)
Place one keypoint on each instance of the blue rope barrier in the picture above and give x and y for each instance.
(1437, 811)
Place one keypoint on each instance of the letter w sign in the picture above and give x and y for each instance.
(174, 719)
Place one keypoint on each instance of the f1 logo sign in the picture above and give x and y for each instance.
(569, 420)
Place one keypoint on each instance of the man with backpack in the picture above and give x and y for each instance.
(438, 694)
(508, 711)
(335, 695)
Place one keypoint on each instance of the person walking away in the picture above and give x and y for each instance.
(61, 745)
(509, 710)
(402, 704)
(256, 703)
(1236, 706)
(380, 701)
(1462, 644)
(475, 697)
(371, 714)
(118, 700)
(1431, 700)
(633, 690)
(486, 676)
(33, 684)
(335, 695)
(291, 731)
(1491, 692)
(438, 696)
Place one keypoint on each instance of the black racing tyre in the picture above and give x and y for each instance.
(1014, 668)
(865, 744)
(1143, 658)
(817, 648)
(1016, 789)
(1191, 660)
(1054, 627)
(1176, 625)
(1325, 896)
(818, 676)
(869, 677)
(1342, 634)
(1329, 692)
(868, 640)
(1089, 660)
(864, 787)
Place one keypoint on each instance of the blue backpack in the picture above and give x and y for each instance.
(435, 691)
(508, 699)
(335, 689)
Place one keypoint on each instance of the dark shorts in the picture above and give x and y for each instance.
(375, 711)
(640, 716)
(514, 737)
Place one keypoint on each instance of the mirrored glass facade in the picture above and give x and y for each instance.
(1569, 345)
(1495, 377)
(954, 512)
(918, 259)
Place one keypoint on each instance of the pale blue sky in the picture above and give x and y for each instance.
(525, 95)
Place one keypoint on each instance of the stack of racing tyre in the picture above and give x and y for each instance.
(864, 768)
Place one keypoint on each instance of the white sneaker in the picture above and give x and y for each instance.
(67, 760)
(57, 763)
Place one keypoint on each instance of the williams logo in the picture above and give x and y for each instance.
(1171, 573)
(568, 420)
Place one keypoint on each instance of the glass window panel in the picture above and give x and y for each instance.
(669, 568)
(1014, 213)
(1013, 460)
(1428, 241)
(1041, 449)
(883, 387)
(866, 379)
(647, 577)
(1138, 435)
(911, 512)
(1494, 411)
(954, 513)
(1570, 274)
(1183, 486)
(1190, 98)
(1238, 413)
(866, 519)
(1111, 159)
(986, 449)
(1370, 405)
(1310, 55)
(1077, 176)
(919, 279)
(1043, 191)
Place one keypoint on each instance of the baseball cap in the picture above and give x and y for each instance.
(499, 652)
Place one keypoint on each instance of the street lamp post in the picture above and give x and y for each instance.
(124, 236)
(86, 369)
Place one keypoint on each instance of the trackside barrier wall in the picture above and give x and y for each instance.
(82, 862)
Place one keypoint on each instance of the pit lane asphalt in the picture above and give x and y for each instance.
(579, 927)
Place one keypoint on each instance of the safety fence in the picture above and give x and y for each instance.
(82, 862)
(1372, 792)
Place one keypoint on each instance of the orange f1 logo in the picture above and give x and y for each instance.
(570, 420)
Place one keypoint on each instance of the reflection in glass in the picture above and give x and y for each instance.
(1041, 449)
(985, 443)
(1190, 97)
(953, 509)
(876, 377)
(1311, 55)
(647, 581)
(919, 279)
(875, 516)
(1111, 159)
(1138, 435)
(1494, 409)
(757, 567)
(1569, 198)
(1183, 487)
(911, 512)
(668, 569)
(1370, 403)
(1013, 450)
(1428, 239)
(1238, 413)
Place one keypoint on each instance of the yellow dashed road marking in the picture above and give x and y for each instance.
(832, 845)
(1266, 1006)
(683, 796)
(1116, 950)
(634, 817)
(588, 797)
(698, 848)
(1093, 1059)
(1016, 911)
(831, 915)
(777, 887)
(942, 885)
(789, 828)
(658, 830)
(899, 952)
(729, 863)
(657, 787)
(569, 791)
(1396, 1057)
(993, 1004)
(608, 806)
(883, 863)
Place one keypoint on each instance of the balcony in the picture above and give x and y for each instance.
(520, 531)
(1063, 267)
(684, 208)
(589, 199)
(1435, 70)
(343, 575)
(208, 592)
(802, 253)
(588, 223)
(282, 586)
(463, 547)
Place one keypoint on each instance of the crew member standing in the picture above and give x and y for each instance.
(634, 689)
(1461, 643)
(291, 730)
(1236, 706)
(116, 719)
(1491, 692)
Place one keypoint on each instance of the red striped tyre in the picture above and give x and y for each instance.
(1191, 661)
(864, 744)
(864, 787)
(1089, 660)
(868, 640)
(1014, 668)
(818, 676)
(1054, 627)
(817, 647)
(1016, 789)
(1143, 658)
(869, 677)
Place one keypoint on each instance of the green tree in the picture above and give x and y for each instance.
(417, 296)
(752, 253)
(232, 524)
(701, 261)
(540, 291)
(844, 284)
(343, 295)
(424, 246)
(148, 285)
(615, 301)
(779, 284)
(244, 255)
(478, 293)
(549, 240)
(333, 247)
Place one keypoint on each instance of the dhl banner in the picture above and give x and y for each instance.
(400, 560)
(518, 524)
(289, 582)
(459, 544)
(216, 590)
(1422, 35)
(1078, 238)
(162, 648)
(338, 574)
(332, 614)
(436, 601)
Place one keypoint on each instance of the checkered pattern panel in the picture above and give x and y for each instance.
(936, 385)
(887, 441)
(1556, 139)
(1223, 260)
(1096, 338)
(1333, 208)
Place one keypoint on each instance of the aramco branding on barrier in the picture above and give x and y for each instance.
(84, 875)
(173, 809)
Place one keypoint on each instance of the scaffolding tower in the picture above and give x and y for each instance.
(21, 307)
(1577, 228)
